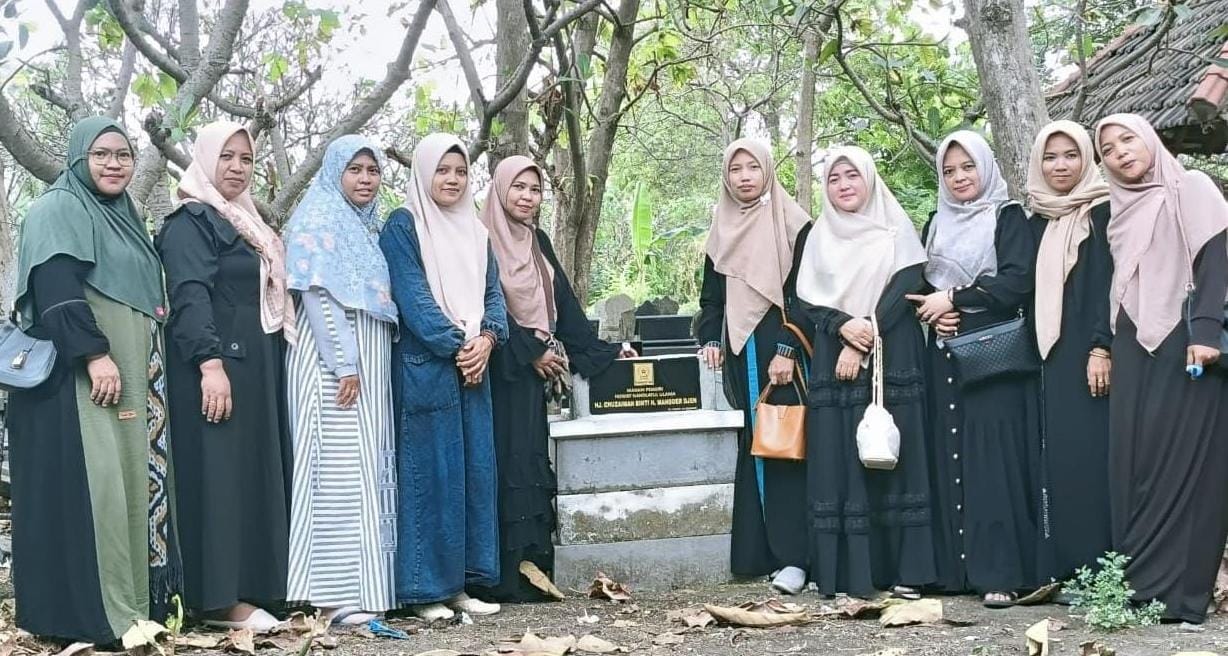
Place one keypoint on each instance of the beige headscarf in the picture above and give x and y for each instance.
(1152, 262)
(527, 278)
(849, 257)
(199, 184)
(453, 242)
(752, 245)
(1069, 217)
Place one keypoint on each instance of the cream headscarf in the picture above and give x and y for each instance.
(850, 257)
(1069, 217)
(1152, 263)
(752, 245)
(527, 278)
(453, 242)
(199, 184)
(961, 235)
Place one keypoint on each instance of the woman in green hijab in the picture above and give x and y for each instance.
(93, 541)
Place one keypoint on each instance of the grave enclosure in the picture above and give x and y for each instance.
(646, 468)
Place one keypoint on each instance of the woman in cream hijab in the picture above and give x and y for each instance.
(870, 528)
(1168, 493)
(445, 284)
(747, 281)
(1070, 204)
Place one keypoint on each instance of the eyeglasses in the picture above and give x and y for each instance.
(103, 156)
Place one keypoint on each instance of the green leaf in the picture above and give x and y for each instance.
(275, 66)
(145, 86)
(829, 49)
(934, 117)
(1151, 17)
(23, 35)
(585, 65)
(5, 48)
(1220, 32)
(641, 222)
(10, 10)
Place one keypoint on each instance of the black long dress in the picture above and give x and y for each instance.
(1168, 459)
(527, 482)
(871, 528)
(1075, 439)
(984, 443)
(769, 507)
(233, 477)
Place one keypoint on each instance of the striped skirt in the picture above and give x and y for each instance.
(343, 521)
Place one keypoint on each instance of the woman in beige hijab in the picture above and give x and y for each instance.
(1168, 491)
(226, 340)
(746, 284)
(869, 528)
(445, 284)
(1070, 216)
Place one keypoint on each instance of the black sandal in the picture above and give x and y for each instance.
(905, 592)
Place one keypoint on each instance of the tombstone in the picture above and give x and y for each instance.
(646, 309)
(617, 317)
(665, 334)
(666, 305)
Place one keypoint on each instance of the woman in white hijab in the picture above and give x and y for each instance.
(870, 528)
(445, 284)
(1070, 203)
(984, 439)
(746, 286)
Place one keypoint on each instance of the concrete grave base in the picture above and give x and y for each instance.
(665, 564)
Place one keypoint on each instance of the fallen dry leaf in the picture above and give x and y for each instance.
(853, 609)
(668, 639)
(603, 587)
(763, 614)
(531, 645)
(198, 641)
(1094, 648)
(539, 580)
(241, 641)
(1040, 595)
(77, 649)
(588, 619)
(326, 641)
(1037, 637)
(303, 624)
(593, 645)
(692, 618)
(281, 642)
(924, 611)
(143, 633)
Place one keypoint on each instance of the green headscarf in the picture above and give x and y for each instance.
(72, 218)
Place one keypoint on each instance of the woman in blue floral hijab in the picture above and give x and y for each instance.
(343, 521)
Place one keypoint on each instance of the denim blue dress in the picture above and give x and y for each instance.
(448, 519)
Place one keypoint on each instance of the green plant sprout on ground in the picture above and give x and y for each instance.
(1104, 597)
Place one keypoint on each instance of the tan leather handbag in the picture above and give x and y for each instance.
(780, 430)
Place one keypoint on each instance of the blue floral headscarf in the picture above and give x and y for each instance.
(333, 244)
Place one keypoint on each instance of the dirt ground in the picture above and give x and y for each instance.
(635, 626)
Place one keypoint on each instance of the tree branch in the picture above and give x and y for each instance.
(457, 36)
(126, 69)
(24, 148)
(362, 111)
(189, 34)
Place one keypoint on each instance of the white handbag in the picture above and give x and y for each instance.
(878, 438)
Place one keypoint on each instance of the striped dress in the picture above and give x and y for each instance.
(343, 504)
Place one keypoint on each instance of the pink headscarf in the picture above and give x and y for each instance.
(528, 279)
(199, 184)
(1153, 263)
(452, 241)
(752, 245)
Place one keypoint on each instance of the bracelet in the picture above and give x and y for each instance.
(785, 350)
(951, 296)
(1099, 353)
(490, 336)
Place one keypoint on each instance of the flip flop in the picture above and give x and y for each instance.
(260, 621)
(999, 604)
(905, 592)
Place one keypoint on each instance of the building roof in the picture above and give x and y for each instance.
(1173, 85)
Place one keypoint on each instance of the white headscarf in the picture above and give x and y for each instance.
(961, 235)
(849, 257)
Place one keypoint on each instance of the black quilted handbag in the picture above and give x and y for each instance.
(1000, 350)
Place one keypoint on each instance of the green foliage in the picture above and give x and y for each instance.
(153, 89)
(110, 35)
(1104, 597)
(641, 222)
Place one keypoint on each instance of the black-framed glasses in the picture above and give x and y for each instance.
(103, 156)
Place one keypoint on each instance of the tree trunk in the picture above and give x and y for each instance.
(805, 122)
(601, 141)
(511, 47)
(998, 33)
(8, 245)
(570, 175)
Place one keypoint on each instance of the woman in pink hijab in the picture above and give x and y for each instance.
(1169, 447)
(747, 282)
(226, 340)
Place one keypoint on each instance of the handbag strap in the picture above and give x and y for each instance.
(797, 332)
(877, 357)
(1189, 285)
(768, 390)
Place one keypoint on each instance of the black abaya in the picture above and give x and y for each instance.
(232, 477)
(1075, 429)
(871, 528)
(527, 483)
(1169, 453)
(769, 508)
(984, 441)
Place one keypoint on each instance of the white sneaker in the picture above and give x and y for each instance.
(432, 612)
(475, 607)
(790, 580)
